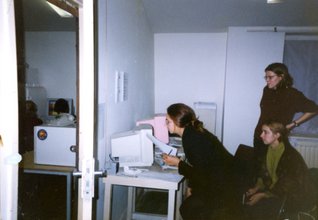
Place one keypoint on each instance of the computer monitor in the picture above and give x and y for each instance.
(133, 148)
(158, 122)
(51, 103)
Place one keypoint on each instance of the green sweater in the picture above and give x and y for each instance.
(272, 158)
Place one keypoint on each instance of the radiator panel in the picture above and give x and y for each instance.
(308, 148)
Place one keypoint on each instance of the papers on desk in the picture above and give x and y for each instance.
(162, 146)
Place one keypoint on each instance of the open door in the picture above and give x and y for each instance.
(9, 157)
(86, 112)
(9, 135)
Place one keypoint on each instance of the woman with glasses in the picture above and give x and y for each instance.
(280, 102)
(284, 183)
(207, 167)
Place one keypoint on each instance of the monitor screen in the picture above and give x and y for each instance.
(51, 105)
(133, 148)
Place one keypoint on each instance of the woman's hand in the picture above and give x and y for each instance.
(170, 160)
(188, 192)
(252, 200)
(290, 126)
(251, 191)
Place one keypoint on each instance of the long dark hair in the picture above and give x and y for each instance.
(183, 116)
(281, 70)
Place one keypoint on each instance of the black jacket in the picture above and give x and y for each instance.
(209, 164)
(294, 181)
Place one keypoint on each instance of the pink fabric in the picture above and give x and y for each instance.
(159, 126)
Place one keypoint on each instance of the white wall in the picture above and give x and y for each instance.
(248, 54)
(190, 68)
(51, 57)
(125, 44)
(129, 45)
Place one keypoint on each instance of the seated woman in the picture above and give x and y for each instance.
(284, 178)
(208, 165)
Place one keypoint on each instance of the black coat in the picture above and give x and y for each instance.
(281, 105)
(294, 181)
(209, 164)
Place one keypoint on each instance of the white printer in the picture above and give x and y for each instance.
(52, 145)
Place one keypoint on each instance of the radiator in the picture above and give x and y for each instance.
(308, 148)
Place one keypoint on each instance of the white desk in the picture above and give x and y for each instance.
(155, 178)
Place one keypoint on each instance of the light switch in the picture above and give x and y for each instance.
(121, 86)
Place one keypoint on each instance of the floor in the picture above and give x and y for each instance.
(42, 197)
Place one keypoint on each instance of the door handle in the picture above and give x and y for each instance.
(99, 173)
(87, 176)
(77, 173)
(73, 148)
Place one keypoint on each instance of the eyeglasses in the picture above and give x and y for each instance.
(269, 77)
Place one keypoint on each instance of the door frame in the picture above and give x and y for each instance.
(86, 112)
(9, 121)
(9, 126)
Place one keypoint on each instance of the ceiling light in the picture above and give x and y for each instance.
(274, 1)
(60, 11)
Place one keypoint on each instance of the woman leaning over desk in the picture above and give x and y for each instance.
(284, 178)
(207, 166)
(280, 102)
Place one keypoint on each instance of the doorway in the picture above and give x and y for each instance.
(47, 68)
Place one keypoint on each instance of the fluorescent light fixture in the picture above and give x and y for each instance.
(274, 1)
(60, 11)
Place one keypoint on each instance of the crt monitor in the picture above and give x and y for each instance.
(51, 103)
(133, 148)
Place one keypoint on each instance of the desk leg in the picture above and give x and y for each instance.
(130, 202)
(68, 196)
(107, 200)
(171, 204)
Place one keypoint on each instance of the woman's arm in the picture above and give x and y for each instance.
(303, 118)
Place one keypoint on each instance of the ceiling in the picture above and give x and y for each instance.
(39, 16)
(192, 16)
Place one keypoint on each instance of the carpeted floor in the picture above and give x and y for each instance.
(41, 197)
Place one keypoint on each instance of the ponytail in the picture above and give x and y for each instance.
(183, 116)
(198, 125)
